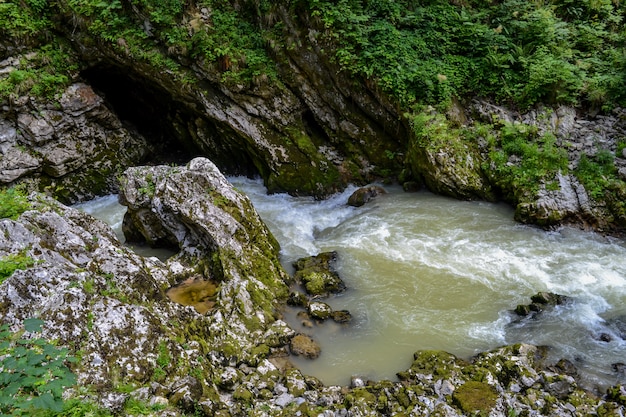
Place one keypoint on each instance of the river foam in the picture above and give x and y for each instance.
(429, 272)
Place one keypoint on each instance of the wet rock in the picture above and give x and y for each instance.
(303, 345)
(319, 310)
(318, 275)
(411, 186)
(619, 368)
(297, 299)
(342, 316)
(540, 301)
(357, 382)
(564, 366)
(364, 195)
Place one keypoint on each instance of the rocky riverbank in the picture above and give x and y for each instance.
(108, 306)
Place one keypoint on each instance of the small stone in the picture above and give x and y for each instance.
(297, 299)
(364, 195)
(283, 400)
(357, 382)
(522, 310)
(114, 401)
(160, 401)
(303, 345)
(319, 310)
(342, 316)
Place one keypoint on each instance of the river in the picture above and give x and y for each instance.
(429, 272)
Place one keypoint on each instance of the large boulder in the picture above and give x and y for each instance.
(109, 305)
(219, 237)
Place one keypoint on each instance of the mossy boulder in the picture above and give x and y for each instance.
(448, 164)
(318, 275)
(475, 398)
(540, 302)
(303, 345)
(319, 310)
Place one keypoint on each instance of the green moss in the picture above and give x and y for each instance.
(445, 157)
(361, 395)
(475, 398)
(243, 395)
(435, 362)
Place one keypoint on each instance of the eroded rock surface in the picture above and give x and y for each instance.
(74, 147)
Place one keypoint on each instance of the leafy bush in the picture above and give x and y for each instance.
(522, 160)
(12, 263)
(13, 202)
(514, 51)
(34, 374)
(597, 173)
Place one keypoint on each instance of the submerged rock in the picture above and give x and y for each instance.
(540, 301)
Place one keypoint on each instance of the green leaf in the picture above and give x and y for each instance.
(33, 324)
(47, 402)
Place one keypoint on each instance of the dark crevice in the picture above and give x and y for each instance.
(145, 109)
(175, 131)
(313, 128)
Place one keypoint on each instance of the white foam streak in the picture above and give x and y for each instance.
(433, 273)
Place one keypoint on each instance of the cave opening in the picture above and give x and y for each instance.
(177, 129)
(146, 109)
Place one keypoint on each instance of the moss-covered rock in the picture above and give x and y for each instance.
(318, 275)
(475, 398)
(449, 164)
(303, 345)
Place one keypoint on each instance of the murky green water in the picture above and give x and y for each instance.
(427, 272)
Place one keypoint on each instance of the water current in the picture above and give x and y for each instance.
(428, 272)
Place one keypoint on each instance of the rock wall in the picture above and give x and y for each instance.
(73, 147)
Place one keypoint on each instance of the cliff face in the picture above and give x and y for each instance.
(261, 89)
(307, 130)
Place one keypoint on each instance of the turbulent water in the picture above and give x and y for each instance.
(427, 272)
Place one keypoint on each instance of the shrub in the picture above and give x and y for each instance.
(13, 262)
(13, 202)
(34, 374)
(596, 173)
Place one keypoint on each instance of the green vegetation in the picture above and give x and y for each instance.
(521, 159)
(513, 51)
(12, 263)
(475, 398)
(13, 202)
(597, 173)
(34, 374)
